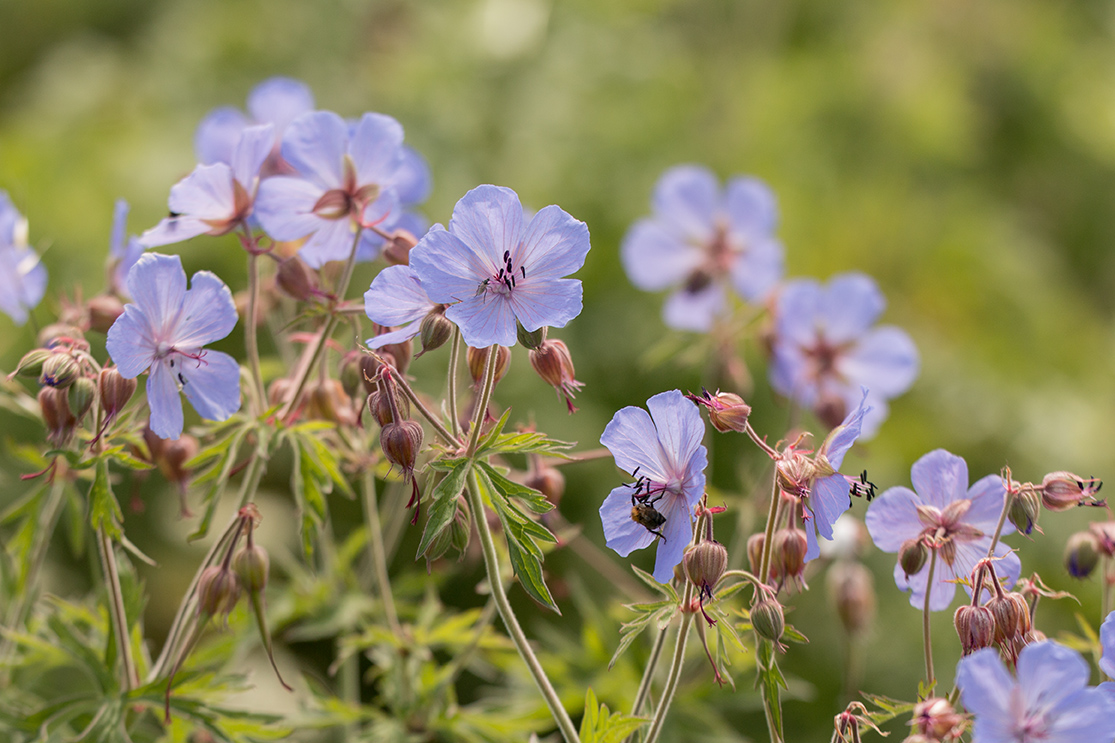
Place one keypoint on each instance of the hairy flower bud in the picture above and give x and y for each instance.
(755, 551)
(296, 279)
(379, 403)
(104, 309)
(852, 592)
(1061, 491)
(396, 251)
(788, 553)
(530, 339)
(793, 474)
(1008, 622)
(477, 356)
(80, 396)
(555, 366)
(768, 620)
(401, 441)
(57, 418)
(1082, 554)
(60, 370)
(549, 482)
(434, 330)
(975, 626)
(912, 555)
(704, 563)
(349, 374)
(115, 390)
(218, 590)
(726, 410)
(252, 564)
(31, 365)
(1024, 510)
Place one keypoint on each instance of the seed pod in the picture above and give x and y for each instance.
(296, 279)
(379, 403)
(218, 590)
(727, 411)
(401, 441)
(1082, 554)
(476, 358)
(252, 564)
(1005, 612)
(115, 390)
(31, 365)
(1024, 510)
(704, 563)
(553, 363)
(60, 370)
(104, 309)
(768, 620)
(80, 396)
(57, 418)
(435, 330)
(975, 626)
(549, 482)
(912, 556)
(790, 546)
(1061, 491)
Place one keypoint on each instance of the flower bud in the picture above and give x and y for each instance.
(555, 366)
(1105, 536)
(328, 402)
(794, 473)
(218, 590)
(531, 339)
(461, 528)
(704, 563)
(369, 368)
(379, 403)
(296, 279)
(31, 365)
(852, 591)
(477, 356)
(435, 330)
(401, 441)
(975, 626)
(768, 620)
(1024, 510)
(61, 335)
(549, 482)
(1006, 613)
(80, 396)
(726, 410)
(1061, 491)
(115, 390)
(789, 548)
(1082, 554)
(936, 720)
(755, 551)
(172, 463)
(252, 564)
(396, 251)
(57, 418)
(349, 374)
(104, 309)
(60, 370)
(912, 555)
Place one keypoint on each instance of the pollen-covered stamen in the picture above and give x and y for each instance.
(862, 488)
(505, 279)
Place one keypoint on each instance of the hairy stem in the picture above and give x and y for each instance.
(251, 337)
(675, 668)
(375, 549)
(1007, 500)
(116, 612)
(425, 412)
(768, 534)
(507, 614)
(451, 395)
(930, 677)
(648, 673)
(482, 402)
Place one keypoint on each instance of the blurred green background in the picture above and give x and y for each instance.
(961, 153)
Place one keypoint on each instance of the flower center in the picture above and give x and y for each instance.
(945, 529)
(504, 280)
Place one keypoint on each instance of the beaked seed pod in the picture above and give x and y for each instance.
(115, 390)
(788, 552)
(1082, 554)
(912, 556)
(252, 564)
(1061, 491)
(1024, 510)
(975, 626)
(1006, 613)
(60, 370)
(434, 330)
(218, 590)
(401, 441)
(31, 365)
(768, 620)
(704, 563)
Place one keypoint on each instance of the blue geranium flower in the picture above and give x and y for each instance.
(492, 269)
(412, 187)
(826, 350)
(703, 239)
(164, 332)
(123, 250)
(276, 101)
(948, 516)
(344, 183)
(22, 274)
(1107, 655)
(1049, 700)
(663, 451)
(396, 297)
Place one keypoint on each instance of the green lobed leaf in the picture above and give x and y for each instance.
(443, 503)
(533, 499)
(104, 511)
(226, 451)
(770, 678)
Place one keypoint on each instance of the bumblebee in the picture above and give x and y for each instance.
(646, 515)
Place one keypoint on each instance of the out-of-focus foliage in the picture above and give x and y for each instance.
(962, 154)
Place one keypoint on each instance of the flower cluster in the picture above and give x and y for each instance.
(22, 275)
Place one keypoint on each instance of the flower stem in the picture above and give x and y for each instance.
(425, 412)
(491, 565)
(485, 396)
(930, 677)
(648, 674)
(1007, 500)
(675, 669)
(116, 612)
(1107, 565)
(251, 339)
(451, 396)
(768, 534)
(375, 549)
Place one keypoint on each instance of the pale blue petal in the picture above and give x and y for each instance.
(885, 359)
(798, 307)
(129, 342)
(158, 285)
(943, 589)
(217, 135)
(1107, 643)
(850, 304)
(787, 373)
(164, 402)
(332, 241)
(688, 196)
(413, 181)
(396, 297)
(285, 205)
(280, 100)
(751, 208)
(812, 547)
(119, 229)
(212, 384)
(553, 246)
(892, 518)
(829, 500)
(484, 321)
(376, 149)
(315, 144)
(1048, 673)
(448, 269)
(841, 438)
(987, 496)
(633, 441)
(679, 429)
(694, 311)
(9, 218)
(206, 193)
(489, 219)
(678, 531)
(384, 212)
(250, 153)
(550, 303)
(940, 478)
(873, 418)
(404, 333)
(1084, 717)
(968, 554)
(621, 533)
(371, 243)
(655, 258)
(986, 690)
(208, 312)
(758, 269)
(173, 230)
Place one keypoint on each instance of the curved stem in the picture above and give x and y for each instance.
(648, 674)
(116, 612)
(491, 566)
(675, 669)
(485, 396)
(930, 678)
(375, 549)
(451, 395)
(251, 339)
(768, 534)
(1007, 500)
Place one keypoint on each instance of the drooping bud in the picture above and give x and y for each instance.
(60, 370)
(554, 364)
(349, 374)
(1082, 554)
(57, 418)
(912, 556)
(704, 563)
(115, 390)
(103, 310)
(296, 279)
(172, 463)
(218, 590)
(396, 354)
(369, 370)
(936, 719)
(549, 482)
(379, 403)
(727, 411)
(975, 626)
(477, 356)
(435, 330)
(794, 472)
(755, 551)
(1006, 613)
(396, 251)
(1061, 491)
(768, 620)
(1024, 510)
(252, 564)
(62, 335)
(31, 365)
(1105, 536)
(788, 553)
(531, 339)
(328, 402)
(852, 591)
(80, 396)
(401, 441)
